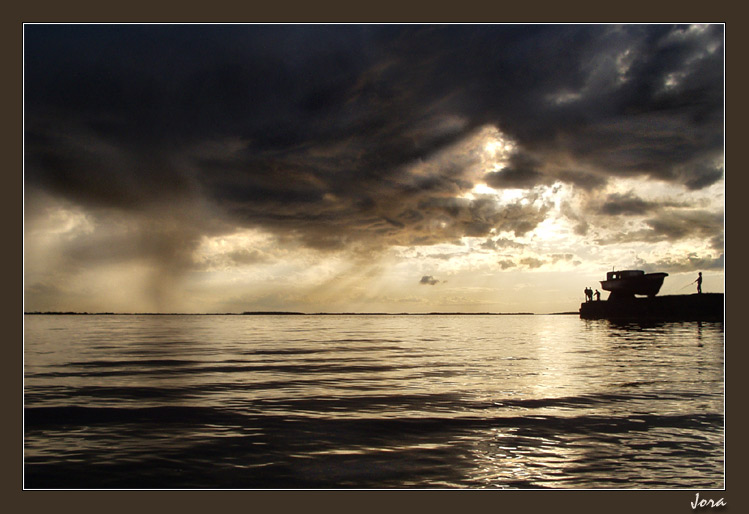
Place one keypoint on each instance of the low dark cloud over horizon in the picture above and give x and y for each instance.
(335, 136)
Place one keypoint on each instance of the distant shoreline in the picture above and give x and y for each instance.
(286, 313)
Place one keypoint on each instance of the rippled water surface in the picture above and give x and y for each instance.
(371, 402)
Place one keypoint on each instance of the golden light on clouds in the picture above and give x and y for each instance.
(435, 170)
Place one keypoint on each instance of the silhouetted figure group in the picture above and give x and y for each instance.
(589, 295)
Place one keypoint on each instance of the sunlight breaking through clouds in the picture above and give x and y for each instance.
(338, 166)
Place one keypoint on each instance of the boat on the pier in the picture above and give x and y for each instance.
(628, 283)
(622, 303)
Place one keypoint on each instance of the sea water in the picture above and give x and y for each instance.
(371, 402)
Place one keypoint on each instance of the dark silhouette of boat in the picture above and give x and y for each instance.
(628, 283)
(624, 287)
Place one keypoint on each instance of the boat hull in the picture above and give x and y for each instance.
(645, 285)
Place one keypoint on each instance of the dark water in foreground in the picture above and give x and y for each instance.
(371, 402)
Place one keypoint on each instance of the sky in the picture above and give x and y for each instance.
(368, 168)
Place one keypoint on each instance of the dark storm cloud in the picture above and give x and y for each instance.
(581, 179)
(337, 135)
(675, 225)
(692, 263)
(627, 205)
(688, 263)
(428, 280)
(699, 224)
(521, 173)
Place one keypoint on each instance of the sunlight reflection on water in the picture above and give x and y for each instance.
(377, 401)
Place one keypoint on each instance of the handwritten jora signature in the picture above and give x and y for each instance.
(706, 502)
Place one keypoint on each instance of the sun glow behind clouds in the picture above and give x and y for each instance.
(234, 250)
(497, 146)
(252, 269)
(384, 169)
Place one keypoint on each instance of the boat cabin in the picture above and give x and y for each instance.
(617, 275)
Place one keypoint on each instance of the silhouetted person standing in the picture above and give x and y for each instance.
(699, 283)
(598, 295)
(588, 294)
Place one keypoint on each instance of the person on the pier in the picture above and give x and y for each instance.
(699, 283)
(598, 295)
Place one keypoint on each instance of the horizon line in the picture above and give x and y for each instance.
(295, 313)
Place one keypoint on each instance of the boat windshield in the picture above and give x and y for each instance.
(616, 275)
